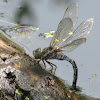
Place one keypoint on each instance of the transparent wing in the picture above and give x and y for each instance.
(73, 45)
(66, 25)
(79, 36)
(72, 12)
(64, 28)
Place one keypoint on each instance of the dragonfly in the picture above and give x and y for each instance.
(65, 39)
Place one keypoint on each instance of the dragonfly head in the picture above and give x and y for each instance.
(37, 53)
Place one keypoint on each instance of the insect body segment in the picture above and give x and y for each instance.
(47, 53)
(37, 53)
(52, 56)
(61, 56)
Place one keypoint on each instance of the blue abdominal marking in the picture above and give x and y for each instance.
(72, 62)
(46, 53)
(65, 58)
(58, 57)
(62, 57)
(52, 56)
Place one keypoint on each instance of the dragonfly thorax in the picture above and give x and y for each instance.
(37, 53)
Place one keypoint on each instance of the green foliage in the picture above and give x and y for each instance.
(50, 34)
(18, 91)
(47, 97)
(26, 98)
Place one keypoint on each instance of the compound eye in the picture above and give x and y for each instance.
(33, 52)
(39, 49)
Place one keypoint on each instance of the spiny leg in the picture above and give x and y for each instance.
(44, 63)
(51, 64)
(75, 72)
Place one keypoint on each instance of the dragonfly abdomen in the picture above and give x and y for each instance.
(61, 56)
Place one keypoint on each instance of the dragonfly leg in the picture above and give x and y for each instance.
(75, 76)
(51, 64)
(44, 63)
